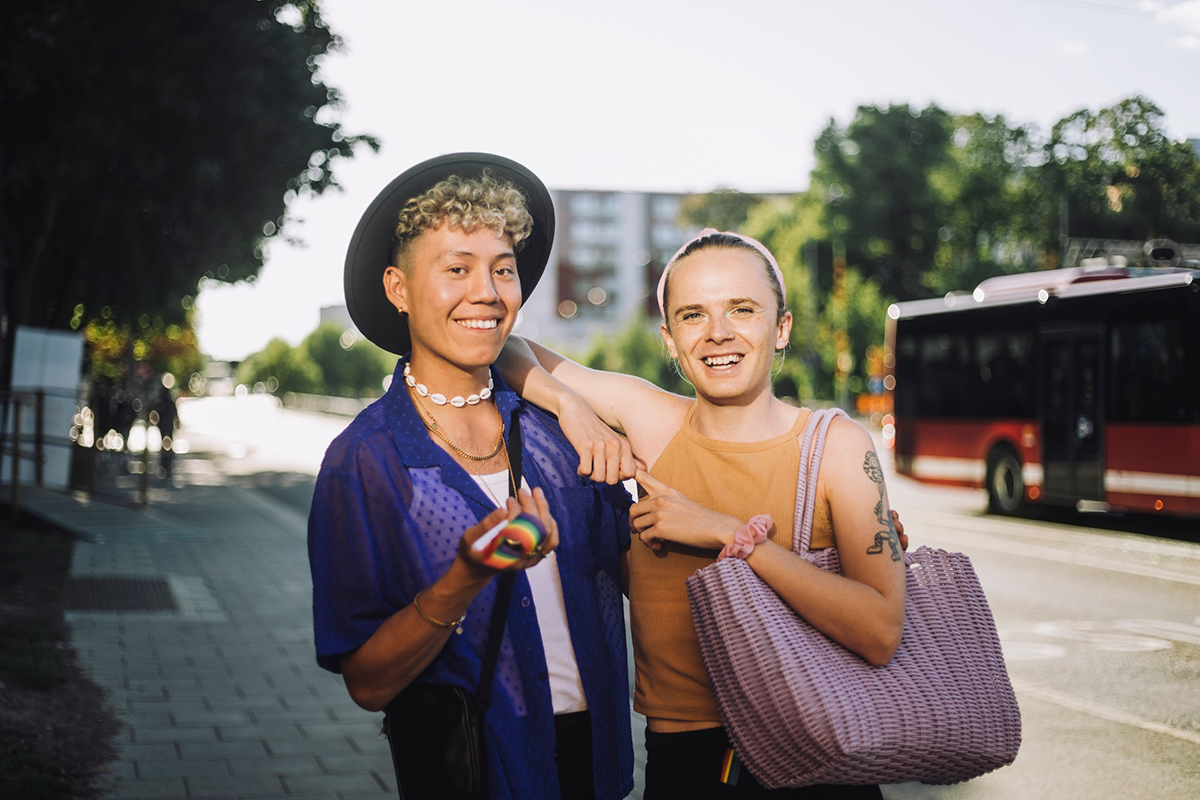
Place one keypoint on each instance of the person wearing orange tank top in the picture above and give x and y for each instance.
(718, 477)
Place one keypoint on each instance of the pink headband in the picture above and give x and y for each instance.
(757, 245)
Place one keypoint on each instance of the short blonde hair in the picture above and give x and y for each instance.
(466, 204)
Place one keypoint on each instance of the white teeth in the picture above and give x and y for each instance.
(482, 324)
(722, 361)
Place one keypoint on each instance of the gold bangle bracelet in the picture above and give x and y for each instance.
(417, 605)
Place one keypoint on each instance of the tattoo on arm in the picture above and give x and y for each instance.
(875, 473)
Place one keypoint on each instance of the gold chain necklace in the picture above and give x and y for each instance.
(436, 430)
(511, 478)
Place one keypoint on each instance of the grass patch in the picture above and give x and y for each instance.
(56, 727)
(32, 654)
(25, 775)
(35, 560)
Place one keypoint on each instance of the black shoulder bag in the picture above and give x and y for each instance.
(435, 731)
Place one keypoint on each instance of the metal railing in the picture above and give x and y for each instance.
(12, 443)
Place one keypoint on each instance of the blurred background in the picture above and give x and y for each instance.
(987, 215)
(180, 184)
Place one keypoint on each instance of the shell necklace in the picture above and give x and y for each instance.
(440, 399)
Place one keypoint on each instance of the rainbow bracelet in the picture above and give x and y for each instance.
(511, 541)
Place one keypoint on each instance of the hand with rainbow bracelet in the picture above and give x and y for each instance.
(511, 541)
(516, 537)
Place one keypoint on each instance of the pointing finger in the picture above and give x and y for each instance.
(651, 484)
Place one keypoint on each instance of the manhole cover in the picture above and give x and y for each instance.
(119, 594)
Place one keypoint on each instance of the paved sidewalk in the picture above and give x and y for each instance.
(221, 698)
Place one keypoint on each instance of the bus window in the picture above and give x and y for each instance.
(1006, 374)
(1147, 375)
(960, 375)
(948, 376)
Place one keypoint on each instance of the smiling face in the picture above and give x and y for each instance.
(461, 293)
(722, 324)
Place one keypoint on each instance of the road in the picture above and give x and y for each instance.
(1099, 616)
(1101, 634)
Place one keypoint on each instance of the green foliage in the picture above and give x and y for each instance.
(149, 145)
(723, 208)
(282, 368)
(979, 186)
(112, 349)
(790, 231)
(638, 350)
(907, 203)
(1121, 178)
(852, 321)
(874, 178)
(329, 361)
(356, 370)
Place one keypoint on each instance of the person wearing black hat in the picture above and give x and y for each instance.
(436, 272)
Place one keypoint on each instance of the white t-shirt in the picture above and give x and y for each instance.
(566, 687)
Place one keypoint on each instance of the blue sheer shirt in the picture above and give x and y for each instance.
(387, 514)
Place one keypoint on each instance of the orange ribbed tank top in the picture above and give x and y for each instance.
(736, 478)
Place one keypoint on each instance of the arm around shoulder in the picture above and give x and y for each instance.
(547, 378)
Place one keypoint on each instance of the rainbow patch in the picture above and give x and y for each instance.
(731, 767)
(514, 541)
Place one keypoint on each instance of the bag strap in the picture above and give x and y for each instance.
(504, 589)
(806, 481)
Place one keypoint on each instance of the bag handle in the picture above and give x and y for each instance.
(504, 589)
(806, 482)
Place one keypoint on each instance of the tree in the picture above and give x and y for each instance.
(723, 208)
(1114, 174)
(147, 145)
(791, 230)
(349, 366)
(875, 177)
(281, 368)
(638, 350)
(980, 190)
(113, 350)
(851, 323)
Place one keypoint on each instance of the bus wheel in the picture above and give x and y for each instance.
(1005, 483)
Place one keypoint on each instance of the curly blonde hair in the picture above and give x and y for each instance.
(466, 204)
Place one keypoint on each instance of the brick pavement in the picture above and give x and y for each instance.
(222, 699)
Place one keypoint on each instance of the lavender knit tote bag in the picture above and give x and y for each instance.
(803, 710)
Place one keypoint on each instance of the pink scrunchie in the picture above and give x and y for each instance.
(753, 532)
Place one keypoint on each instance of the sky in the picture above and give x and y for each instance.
(648, 95)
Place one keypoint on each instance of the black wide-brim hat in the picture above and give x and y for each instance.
(370, 250)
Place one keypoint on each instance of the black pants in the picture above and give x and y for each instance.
(573, 755)
(688, 765)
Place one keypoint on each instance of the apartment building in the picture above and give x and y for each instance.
(609, 251)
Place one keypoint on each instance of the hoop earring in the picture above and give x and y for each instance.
(675, 364)
(777, 361)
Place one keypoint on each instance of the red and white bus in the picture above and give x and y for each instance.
(1075, 387)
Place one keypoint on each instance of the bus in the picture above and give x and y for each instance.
(1076, 387)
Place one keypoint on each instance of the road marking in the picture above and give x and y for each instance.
(1103, 712)
(1031, 651)
(1113, 642)
(1043, 531)
(1178, 631)
(938, 533)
